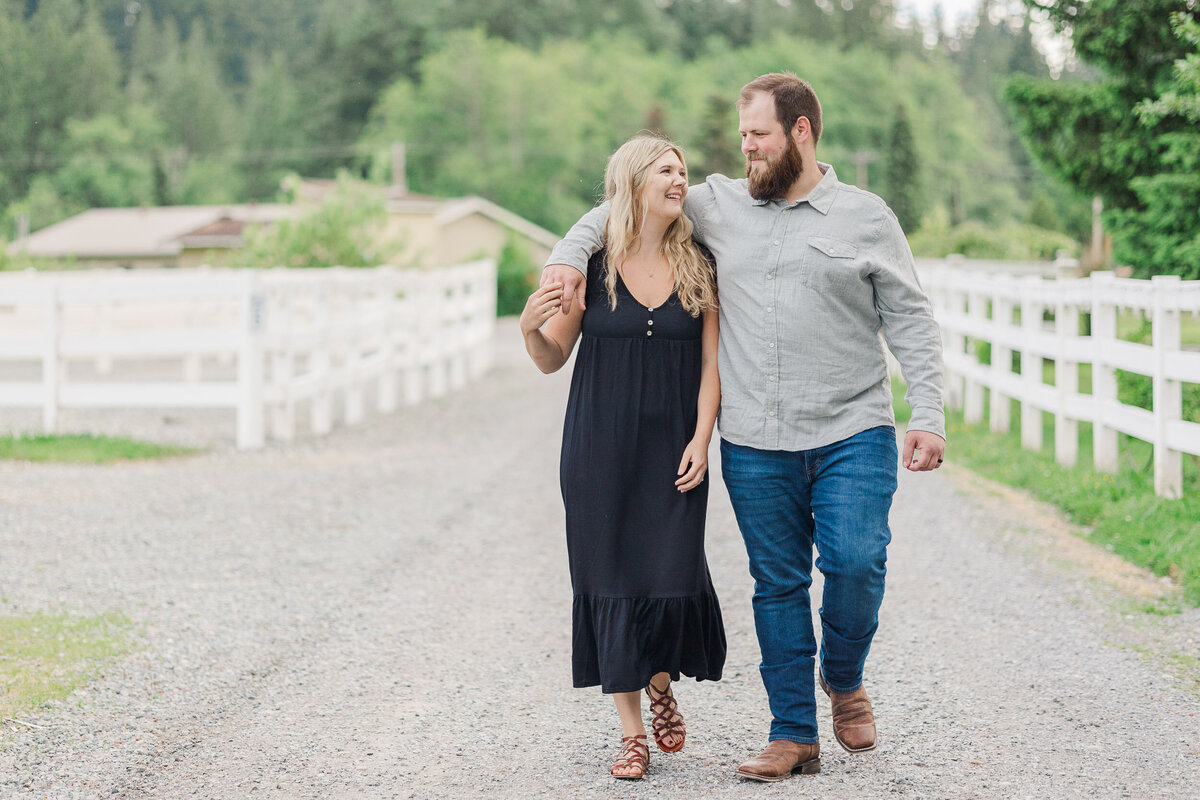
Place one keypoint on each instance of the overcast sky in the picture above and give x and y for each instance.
(952, 10)
(955, 12)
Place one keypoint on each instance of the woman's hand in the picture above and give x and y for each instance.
(693, 465)
(541, 306)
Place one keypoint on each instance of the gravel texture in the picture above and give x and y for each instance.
(385, 613)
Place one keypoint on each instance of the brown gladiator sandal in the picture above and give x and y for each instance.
(667, 719)
(634, 754)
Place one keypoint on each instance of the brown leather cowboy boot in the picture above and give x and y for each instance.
(853, 718)
(781, 759)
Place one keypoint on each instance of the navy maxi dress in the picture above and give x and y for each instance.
(644, 602)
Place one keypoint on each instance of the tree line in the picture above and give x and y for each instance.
(208, 101)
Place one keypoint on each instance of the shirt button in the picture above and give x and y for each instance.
(770, 344)
(777, 243)
(649, 322)
(770, 276)
(649, 333)
(771, 379)
(770, 413)
(770, 309)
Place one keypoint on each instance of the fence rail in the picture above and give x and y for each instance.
(266, 343)
(1030, 320)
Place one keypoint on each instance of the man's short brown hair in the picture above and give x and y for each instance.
(794, 98)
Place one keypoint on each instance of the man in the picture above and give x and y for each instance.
(811, 271)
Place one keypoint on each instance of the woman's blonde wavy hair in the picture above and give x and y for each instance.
(624, 187)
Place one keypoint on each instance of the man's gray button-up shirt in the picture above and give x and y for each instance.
(809, 293)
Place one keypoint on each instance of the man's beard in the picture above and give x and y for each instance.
(772, 181)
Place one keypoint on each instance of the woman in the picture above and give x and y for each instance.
(643, 401)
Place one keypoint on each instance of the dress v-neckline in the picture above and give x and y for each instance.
(638, 300)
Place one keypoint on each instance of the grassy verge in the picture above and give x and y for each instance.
(1120, 512)
(45, 657)
(85, 449)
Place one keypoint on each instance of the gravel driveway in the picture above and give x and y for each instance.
(385, 613)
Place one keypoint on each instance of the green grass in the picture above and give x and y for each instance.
(1121, 511)
(83, 448)
(45, 657)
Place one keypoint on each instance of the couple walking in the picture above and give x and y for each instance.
(814, 276)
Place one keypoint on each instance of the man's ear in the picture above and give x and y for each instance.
(802, 130)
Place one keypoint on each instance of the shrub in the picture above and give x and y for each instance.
(515, 278)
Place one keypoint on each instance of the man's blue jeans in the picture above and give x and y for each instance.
(838, 498)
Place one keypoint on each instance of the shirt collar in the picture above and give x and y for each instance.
(821, 196)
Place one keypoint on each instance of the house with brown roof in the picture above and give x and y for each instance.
(165, 236)
(435, 231)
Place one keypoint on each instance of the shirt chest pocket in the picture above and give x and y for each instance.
(829, 263)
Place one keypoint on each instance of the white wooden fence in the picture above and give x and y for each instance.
(1039, 318)
(265, 343)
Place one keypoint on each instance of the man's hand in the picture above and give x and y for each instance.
(923, 451)
(571, 280)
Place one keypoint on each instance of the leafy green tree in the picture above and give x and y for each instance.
(348, 230)
(1167, 226)
(514, 278)
(108, 165)
(1090, 135)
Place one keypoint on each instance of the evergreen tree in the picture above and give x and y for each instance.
(903, 176)
(67, 68)
(272, 131)
(718, 146)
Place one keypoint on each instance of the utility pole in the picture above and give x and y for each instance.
(399, 169)
(860, 159)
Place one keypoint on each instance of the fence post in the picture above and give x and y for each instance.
(357, 311)
(1167, 392)
(953, 341)
(1002, 308)
(104, 311)
(457, 321)
(385, 299)
(972, 387)
(412, 312)
(1031, 362)
(283, 412)
(250, 363)
(322, 405)
(434, 345)
(1066, 380)
(1104, 377)
(50, 358)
